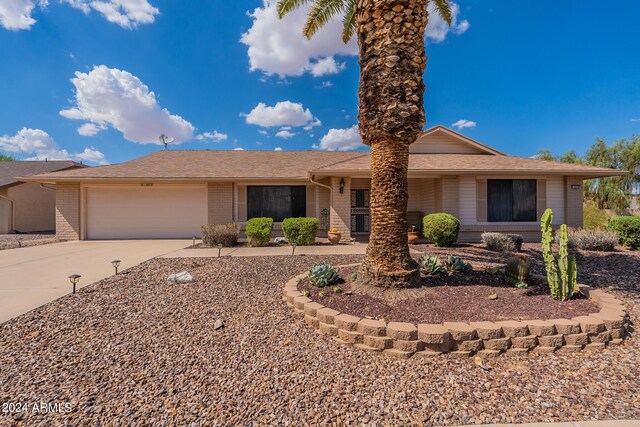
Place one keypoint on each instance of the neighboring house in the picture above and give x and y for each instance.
(170, 194)
(28, 207)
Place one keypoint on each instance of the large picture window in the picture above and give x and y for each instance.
(511, 200)
(277, 202)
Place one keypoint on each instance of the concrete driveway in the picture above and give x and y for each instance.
(33, 276)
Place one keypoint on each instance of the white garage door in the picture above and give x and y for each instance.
(146, 212)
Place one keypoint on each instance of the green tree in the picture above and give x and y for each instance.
(6, 157)
(391, 114)
(545, 154)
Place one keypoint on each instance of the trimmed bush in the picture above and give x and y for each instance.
(259, 230)
(441, 229)
(301, 231)
(502, 242)
(592, 240)
(220, 234)
(628, 230)
(594, 218)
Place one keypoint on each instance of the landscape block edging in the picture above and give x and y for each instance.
(485, 339)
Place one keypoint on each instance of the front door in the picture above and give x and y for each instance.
(360, 217)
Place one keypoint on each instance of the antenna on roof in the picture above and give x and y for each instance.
(166, 140)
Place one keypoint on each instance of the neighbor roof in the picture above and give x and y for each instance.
(10, 170)
(472, 164)
(209, 164)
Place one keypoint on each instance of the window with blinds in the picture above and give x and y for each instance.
(511, 200)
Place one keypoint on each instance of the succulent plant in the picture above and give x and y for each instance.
(323, 274)
(517, 270)
(430, 265)
(456, 265)
(354, 276)
(337, 289)
(562, 283)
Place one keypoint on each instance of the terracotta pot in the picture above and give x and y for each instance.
(413, 237)
(334, 238)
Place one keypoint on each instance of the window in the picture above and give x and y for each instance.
(510, 200)
(277, 202)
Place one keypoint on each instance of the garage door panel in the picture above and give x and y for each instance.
(145, 212)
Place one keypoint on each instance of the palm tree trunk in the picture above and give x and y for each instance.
(391, 116)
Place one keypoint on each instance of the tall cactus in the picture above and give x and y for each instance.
(562, 285)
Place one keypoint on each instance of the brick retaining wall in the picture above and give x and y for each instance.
(486, 339)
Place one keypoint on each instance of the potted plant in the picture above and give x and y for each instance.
(334, 236)
(413, 235)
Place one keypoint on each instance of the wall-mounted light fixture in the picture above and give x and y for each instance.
(342, 185)
(575, 186)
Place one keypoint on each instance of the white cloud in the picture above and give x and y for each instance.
(213, 136)
(16, 14)
(325, 85)
(277, 46)
(464, 124)
(438, 30)
(285, 113)
(40, 146)
(238, 149)
(325, 66)
(340, 140)
(109, 97)
(126, 13)
(278, 149)
(285, 134)
(263, 132)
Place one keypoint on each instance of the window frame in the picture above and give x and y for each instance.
(296, 208)
(514, 210)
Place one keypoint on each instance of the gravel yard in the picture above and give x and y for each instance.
(12, 241)
(135, 350)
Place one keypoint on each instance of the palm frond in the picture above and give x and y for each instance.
(444, 9)
(285, 6)
(349, 21)
(321, 12)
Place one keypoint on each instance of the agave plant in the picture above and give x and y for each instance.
(456, 265)
(323, 274)
(430, 265)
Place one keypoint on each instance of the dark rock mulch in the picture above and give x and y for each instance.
(450, 297)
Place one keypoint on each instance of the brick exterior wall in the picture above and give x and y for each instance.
(340, 212)
(220, 202)
(68, 211)
(573, 201)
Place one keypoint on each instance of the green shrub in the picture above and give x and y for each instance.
(592, 240)
(258, 231)
(220, 234)
(441, 229)
(502, 242)
(594, 218)
(301, 231)
(628, 230)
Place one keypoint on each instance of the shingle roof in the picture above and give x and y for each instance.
(474, 163)
(211, 164)
(264, 165)
(10, 170)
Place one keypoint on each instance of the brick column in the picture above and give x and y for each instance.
(68, 211)
(573, 199)
(220, 202)
(340, 212)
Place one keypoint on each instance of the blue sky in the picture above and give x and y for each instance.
(530, 75)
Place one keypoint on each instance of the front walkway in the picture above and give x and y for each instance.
(356, 249)
(610, 423)
(31, 277)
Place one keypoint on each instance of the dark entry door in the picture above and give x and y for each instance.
(360, 217)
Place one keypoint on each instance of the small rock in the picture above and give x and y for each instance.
(493, 296)
(218, 324)
(180, 278)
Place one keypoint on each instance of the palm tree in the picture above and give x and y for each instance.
(391, 114)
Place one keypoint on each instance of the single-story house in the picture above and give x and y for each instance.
(28, 207)
(171, 193)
